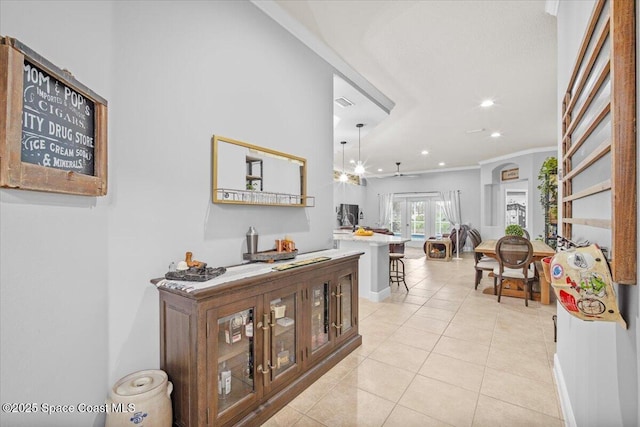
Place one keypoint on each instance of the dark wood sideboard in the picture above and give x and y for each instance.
(239, 351)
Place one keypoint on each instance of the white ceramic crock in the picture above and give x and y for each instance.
(141, 399)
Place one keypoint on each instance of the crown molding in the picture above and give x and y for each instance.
(518, 154)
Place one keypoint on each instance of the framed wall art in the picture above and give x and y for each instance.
(510, 174)
(54, 136)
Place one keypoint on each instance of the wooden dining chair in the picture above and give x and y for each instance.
(515, 255)
(482, 262)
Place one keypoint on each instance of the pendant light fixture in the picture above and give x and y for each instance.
(343, 175)
(359, 170)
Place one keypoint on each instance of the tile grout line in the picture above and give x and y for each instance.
(505, 312)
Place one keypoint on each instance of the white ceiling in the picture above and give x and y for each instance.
(438, 60)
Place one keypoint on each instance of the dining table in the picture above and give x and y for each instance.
(540, 250)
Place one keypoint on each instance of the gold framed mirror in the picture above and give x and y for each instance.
(246, 174)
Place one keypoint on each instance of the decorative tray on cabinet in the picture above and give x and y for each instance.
(270, 256)
(195, 274)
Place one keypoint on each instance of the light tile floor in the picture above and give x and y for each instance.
(443, 354)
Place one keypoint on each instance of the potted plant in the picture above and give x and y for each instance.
(513, 230)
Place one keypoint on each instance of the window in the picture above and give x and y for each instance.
(420, 217)
(442, 224)
(417, 219)
(409, 218)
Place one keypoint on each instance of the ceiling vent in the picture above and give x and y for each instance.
(343, 102)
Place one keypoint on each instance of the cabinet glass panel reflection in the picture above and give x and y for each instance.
(345, 306)
(319, 315)
(235, 357)
(283, 346)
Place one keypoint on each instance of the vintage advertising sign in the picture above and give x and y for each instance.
(57, 123)
(54, 133)
(582, 282)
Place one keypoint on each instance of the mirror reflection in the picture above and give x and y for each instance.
(516, 208)
(247, 174)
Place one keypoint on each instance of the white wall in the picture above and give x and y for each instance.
(54, 275)
(351, 194)
(597, 363)
(78, 311)
(471, 182)
(493, 190)
(464, 180)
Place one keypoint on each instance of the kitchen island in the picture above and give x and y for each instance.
(373, 270)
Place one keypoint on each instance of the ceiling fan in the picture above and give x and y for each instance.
(398, 173)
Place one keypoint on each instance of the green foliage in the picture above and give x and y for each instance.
(513, 230)
(549, 167)
(548, 180)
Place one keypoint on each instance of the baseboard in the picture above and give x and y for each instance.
(380, 296)
(563, 394)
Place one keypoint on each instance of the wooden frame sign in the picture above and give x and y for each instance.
(510, 174)
(53, 135)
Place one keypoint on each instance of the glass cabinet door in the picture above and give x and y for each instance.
(236, 355)
(281, 344)
(319, 315)
(344, 305)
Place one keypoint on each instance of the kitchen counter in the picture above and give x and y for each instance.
(373, 270)
(376, 239)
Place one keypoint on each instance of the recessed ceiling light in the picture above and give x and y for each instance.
(379, 169)
(496, 134)
(486, 103)
(352, 161)
(441, 164)
(424, 152)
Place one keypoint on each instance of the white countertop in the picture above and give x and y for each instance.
(378, 239)
(244, 271)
